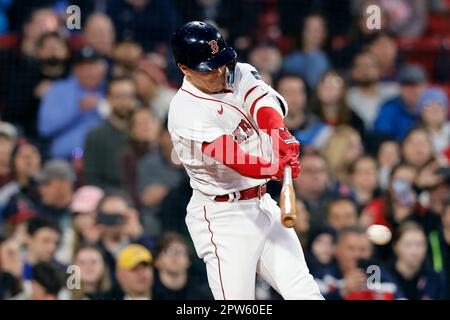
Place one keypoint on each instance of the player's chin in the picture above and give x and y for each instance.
(217, 87)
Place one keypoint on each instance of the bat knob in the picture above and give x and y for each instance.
(288, 221)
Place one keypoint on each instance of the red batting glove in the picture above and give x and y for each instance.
(287, 144)
(290, 160)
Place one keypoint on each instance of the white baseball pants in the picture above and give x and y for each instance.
(236, 240)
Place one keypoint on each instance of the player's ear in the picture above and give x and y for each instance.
(183, 69)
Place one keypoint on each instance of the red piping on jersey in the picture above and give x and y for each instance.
(215, 100)
(217, 256)
(252, 109)
(248, 92)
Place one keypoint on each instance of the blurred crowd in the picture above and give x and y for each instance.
(92, 201)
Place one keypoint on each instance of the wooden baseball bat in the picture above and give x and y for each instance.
(287, 200)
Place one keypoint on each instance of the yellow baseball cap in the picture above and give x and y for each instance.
(132, 255)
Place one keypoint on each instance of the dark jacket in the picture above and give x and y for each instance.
(331, 280)
(425, 285)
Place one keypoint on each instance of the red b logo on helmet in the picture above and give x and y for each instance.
(214, 46)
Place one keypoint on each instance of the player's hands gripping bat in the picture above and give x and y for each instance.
(287, 199)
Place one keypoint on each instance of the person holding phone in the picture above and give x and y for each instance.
(397, 204)
(119, 225)
(351, 276)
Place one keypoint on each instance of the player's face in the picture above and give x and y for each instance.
(208, 82)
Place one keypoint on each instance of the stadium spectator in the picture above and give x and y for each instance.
(34, 81)
(90, 7)
(94, 276)
(15, 218)
(363, 180)
(55, 187)
(433, 111)
(99, 34)
(48, 279)
(302, 223)
(398, 115)
(21, 54)
(357, 37)
(342, 213)
(346, 279)
(416, 279)
(83, 207)
(37, 22)
(157, 174)
(106, 143)
(119, 226)
(266, 58)
(397, 204)
(310, 61)
(144, 136)
(330, 106)
(8, 136)
(440, 190)
(407, 18)
(305, 126)
(25, 164)
(417, 149)
(55, 184)
(383, 45)
(151, 23)
(321, 248)
(388, 156)
(367, 93)
(171, 279)
(134, 272)
(341, 149)
(313, 187)
(152, 87)
(70, 108)
(126, 56)
(11, 267)
(41, 244)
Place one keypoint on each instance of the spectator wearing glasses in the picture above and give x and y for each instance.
(172, 280)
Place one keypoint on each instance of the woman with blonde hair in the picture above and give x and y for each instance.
(342, 148)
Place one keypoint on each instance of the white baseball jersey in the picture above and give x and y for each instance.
(196, 117)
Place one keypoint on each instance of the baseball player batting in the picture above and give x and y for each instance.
(227, 129)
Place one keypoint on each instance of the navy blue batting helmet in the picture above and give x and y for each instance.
(201, 47)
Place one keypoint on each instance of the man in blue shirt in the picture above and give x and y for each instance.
(398, 116)
(70, 108)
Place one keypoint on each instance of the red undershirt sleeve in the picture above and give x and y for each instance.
(268, 118)
(226, 150)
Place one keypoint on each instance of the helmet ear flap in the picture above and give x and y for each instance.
(229, 78)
